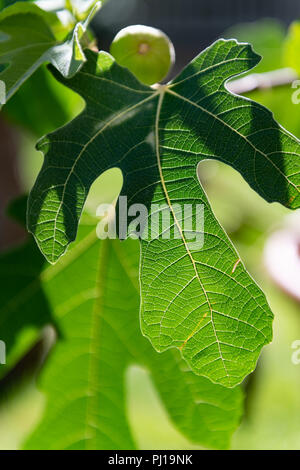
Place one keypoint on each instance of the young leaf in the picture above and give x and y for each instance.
(96, 316)
(27, 41)
(202, 302)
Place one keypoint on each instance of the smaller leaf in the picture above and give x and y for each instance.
(25, 35)
(68, 57)
(27, 40)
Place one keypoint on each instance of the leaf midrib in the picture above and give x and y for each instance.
(103, 265)
(162, 92)
(132, 279)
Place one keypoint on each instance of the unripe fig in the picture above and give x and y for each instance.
(147, 52)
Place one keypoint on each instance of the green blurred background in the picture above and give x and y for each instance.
(272, 414)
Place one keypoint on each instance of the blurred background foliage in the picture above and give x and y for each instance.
(273, 406)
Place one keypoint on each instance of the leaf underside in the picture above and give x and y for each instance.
(202, 302)
(96, 317)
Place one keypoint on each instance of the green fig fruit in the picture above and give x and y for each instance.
(147, 52)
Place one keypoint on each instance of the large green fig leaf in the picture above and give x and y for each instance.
(92, 299)
(201, 301)
(27, 41)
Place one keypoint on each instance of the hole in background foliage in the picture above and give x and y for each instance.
(105, 189)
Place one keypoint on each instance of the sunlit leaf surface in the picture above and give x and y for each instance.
(201, 301)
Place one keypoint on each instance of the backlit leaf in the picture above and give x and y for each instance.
(201, 301)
